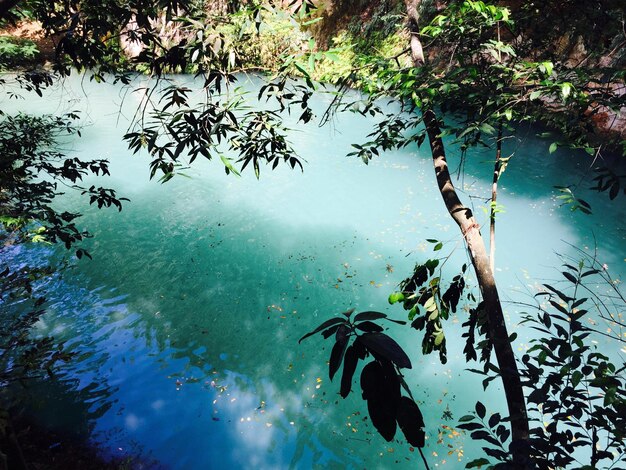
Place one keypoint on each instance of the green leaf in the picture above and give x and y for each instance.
(439, 337)
(553, 147)
(566, 89)
(396, 297)
(547, 67)
(430, 306)
(228, 166)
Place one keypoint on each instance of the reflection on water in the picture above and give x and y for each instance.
(186, 322)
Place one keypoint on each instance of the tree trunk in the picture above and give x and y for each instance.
(480, 260)
(494, 196)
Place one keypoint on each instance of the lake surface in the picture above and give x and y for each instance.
(187, 319)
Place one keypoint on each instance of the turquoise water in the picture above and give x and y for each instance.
(187, 319)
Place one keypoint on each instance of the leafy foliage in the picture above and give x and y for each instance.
(577, 393)
(15, 51)
(484, 75)
(429, 303)
(30, 174)
(608, 180)
(357, 339)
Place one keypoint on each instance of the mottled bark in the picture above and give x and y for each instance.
(417, 52)
(480, 261)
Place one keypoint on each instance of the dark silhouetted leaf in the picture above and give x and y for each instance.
(559, 307)
(495, 453)
(470, 426)
(350, 362)
(494, 420)
(386, 347)
(370, 327)
(371, 377)
(381, 389)
(452, 296)
(323, 326)
(336, 356)
(369, 316)
(342, 332)
(411, 422)
(570, 277)
(384, 422)
(480, 410)
(330, 331)
(361, 351)
(561, 295)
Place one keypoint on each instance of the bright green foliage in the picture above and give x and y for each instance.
(263, 46)
(15, 52)
(486, 78)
